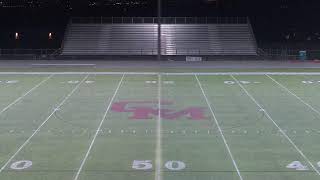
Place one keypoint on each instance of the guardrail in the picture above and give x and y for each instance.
(288, 54)
(27, 52)
(164, 20)
(151, 52)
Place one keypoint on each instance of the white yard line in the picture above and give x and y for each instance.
(219, 128)
(41, 125)
(155, 73)
(242, 73)
(78, 73)
(25, 94)
(279, 128)
(293, 94)
(158, 174)
(63, 64)
(98, 129)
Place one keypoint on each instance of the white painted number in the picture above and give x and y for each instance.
(20, 165)
(245, 82)
(168, 82)
(242, 82)
(73, 82)
(307, 82)
(89, 82)
(175, 165)
(297, 165)
(151, 82)
(310, 82)
(147, 165)
(141, 165)
(156, 82)
(12, 82)
(229, 82)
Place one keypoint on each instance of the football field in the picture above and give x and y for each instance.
(159, 126)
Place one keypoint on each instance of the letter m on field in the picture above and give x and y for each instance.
(193, 113)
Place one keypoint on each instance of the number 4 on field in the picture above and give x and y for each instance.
(297, 165)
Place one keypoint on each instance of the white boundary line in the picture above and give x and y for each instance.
(155, 73)
(42, 124)
(24, 95)
(78, 73)
(219, 128)
(98, 129)
(158, 174)
(279, 128)
(243, 73)
(63, 64)
(293, 94)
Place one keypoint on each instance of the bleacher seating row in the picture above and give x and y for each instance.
(176, 39)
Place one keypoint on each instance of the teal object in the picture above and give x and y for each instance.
(303, 55)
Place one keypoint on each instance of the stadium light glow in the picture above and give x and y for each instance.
(50, 36)
(16, 36)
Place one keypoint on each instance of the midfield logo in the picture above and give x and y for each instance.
(143, 110)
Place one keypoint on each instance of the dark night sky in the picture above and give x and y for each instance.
(203, 8)
(170, 7)
(272, 19)
(278, 11)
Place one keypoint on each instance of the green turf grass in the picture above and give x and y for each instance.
(257, 148)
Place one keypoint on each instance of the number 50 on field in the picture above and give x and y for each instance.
(147, 165)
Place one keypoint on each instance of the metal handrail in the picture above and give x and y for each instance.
(252, 33)
(65, 34)
(171, 52)
(165, 20)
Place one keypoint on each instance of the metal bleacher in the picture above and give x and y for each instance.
(107, 37)
(110, 39)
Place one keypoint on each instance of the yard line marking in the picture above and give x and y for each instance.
(219, 128)
(293, 94)
(242, 73)
(78, 73)
(42, 124)
(279, 128)
(164, 73)
(63, 64)
(98, 129)
(158, 174)
(24, 95)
